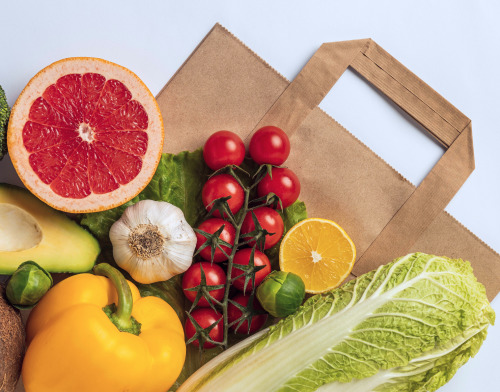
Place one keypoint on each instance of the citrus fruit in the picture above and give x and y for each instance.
(85, 135)
(320, 252)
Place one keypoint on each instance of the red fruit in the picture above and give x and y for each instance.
(85, 135)
(242, 257)
(223, 185)
(211, 226)
(233, 314)
(223, 148)
(205, 317)
(269, 145)
(269, 220)
(284, 183)
(214, 276)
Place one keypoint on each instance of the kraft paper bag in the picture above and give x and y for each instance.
(224, 85)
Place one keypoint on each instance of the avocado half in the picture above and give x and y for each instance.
(31, 230)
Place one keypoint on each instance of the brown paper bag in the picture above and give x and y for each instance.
(224, 85)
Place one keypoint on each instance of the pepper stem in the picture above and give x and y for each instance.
(120, 314)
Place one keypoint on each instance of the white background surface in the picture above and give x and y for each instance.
(452, 45)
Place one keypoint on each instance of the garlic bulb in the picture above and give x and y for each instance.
(152, 241)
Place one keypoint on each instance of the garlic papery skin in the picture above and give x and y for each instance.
(152, 241)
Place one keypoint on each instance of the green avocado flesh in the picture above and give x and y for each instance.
(31, 230)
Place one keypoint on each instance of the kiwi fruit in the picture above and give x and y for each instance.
(12, 347)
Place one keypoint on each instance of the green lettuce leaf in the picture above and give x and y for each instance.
(407, 326)
(291, 216)
(170, 291)
(178, 180)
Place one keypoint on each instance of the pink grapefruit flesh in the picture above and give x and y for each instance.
(85, 135)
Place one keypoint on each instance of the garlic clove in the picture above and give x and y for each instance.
(120, 230)
(178, 261)
(151, 271)
(121, 251)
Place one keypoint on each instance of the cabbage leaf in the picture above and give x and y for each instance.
(407, 326)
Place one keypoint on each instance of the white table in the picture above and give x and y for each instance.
(451, 44)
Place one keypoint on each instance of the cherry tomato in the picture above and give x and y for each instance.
(223, 148)
(269, 145)
(284, 183)
(214, 276)
(223, 185)
(269, 220)
(242, 257)
(205, 317)
(211, 226)
(233, 314)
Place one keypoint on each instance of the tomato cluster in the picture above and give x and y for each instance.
(224, 195)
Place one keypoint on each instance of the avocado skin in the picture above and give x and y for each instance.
(65, 247)
(4, 120)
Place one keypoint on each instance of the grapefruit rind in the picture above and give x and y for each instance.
(20, 114)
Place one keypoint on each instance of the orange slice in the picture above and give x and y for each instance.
(320, 252)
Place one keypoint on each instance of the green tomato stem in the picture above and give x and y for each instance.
(237, 222)
(225, 301)
(122, 316)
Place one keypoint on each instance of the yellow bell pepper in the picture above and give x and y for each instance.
(79, 342)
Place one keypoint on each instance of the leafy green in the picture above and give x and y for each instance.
(178, 179)
(4, 119)
(407, 326)
(425, 373)
(169, 290)
(291, 216)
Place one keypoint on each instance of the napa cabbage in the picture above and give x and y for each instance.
(407, 326)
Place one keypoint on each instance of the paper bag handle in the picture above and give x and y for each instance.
(441, 119)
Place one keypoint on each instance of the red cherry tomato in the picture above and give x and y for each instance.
(223, 148)
(269, 220)
(269, 145)
(223, 185)
(242, 257)
(284, 183)
(205, 317)
(233, 314)
(214, 276)
(211, 226)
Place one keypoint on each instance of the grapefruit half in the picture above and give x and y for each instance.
(85, 135)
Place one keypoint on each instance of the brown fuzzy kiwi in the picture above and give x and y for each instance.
(12, 337)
